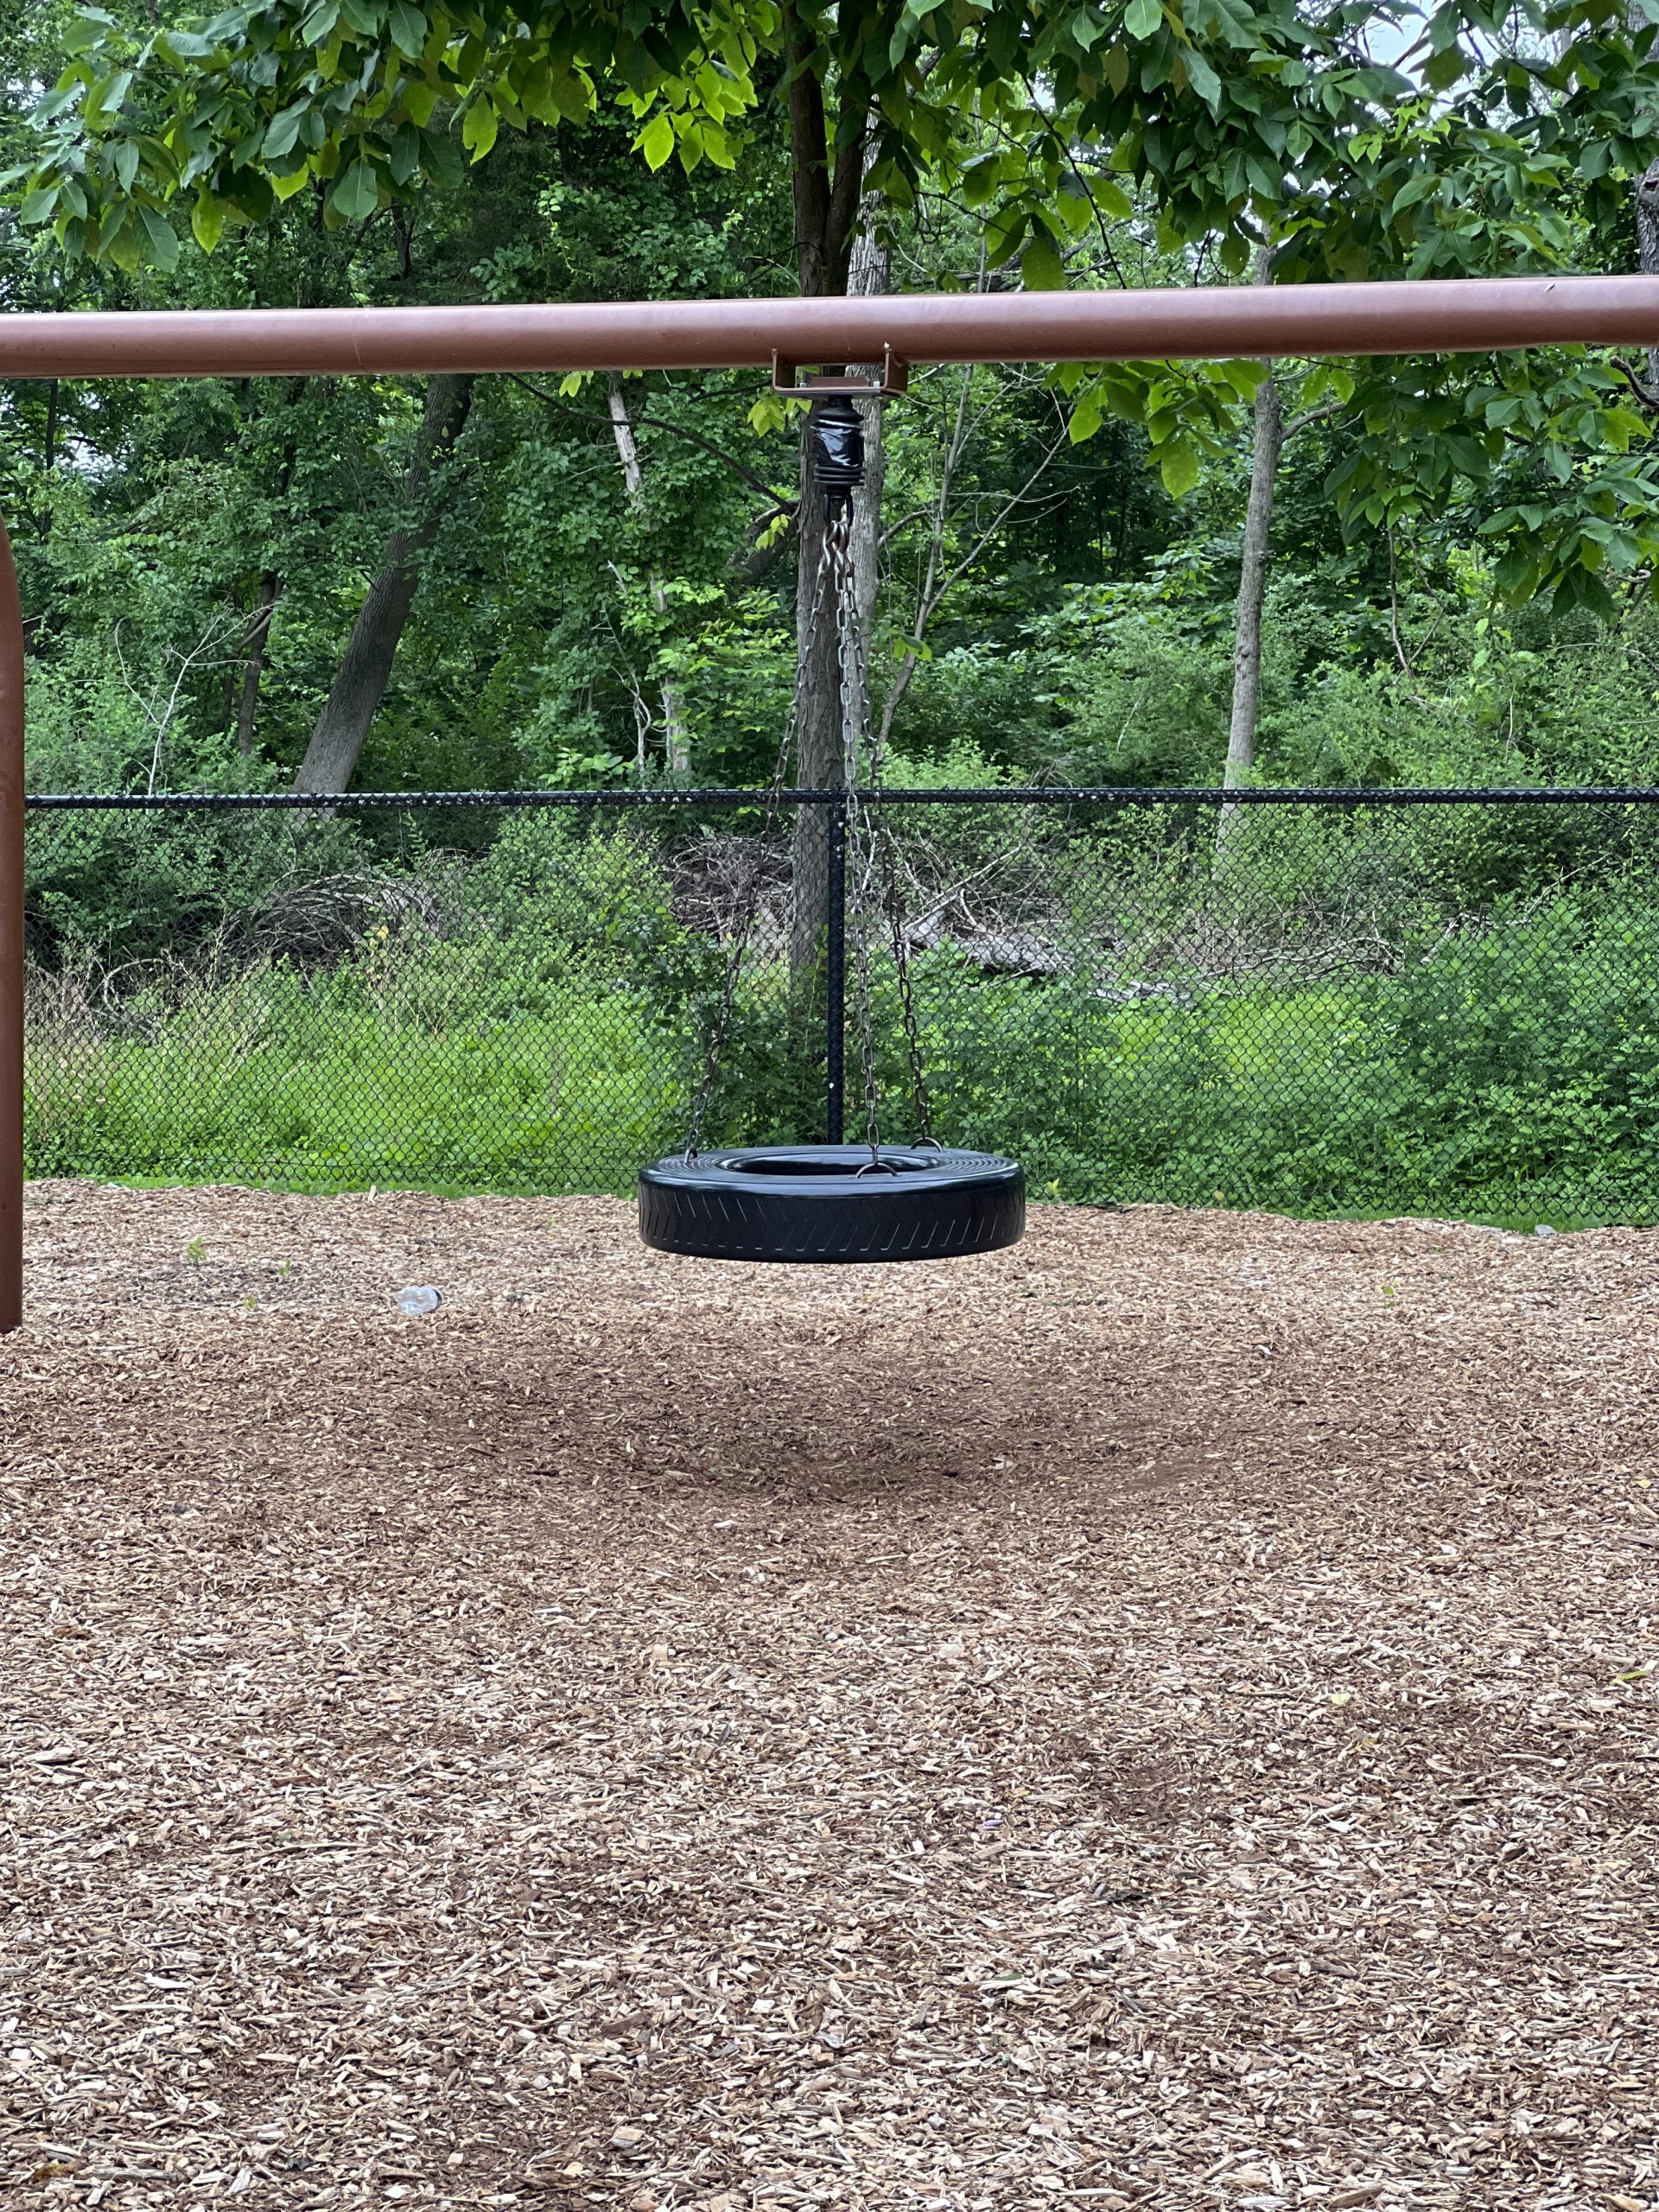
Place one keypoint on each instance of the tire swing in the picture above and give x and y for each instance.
(834, 1204)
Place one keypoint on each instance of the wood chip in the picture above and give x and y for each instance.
(671, 1736)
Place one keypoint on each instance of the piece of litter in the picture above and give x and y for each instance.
(419, 1298)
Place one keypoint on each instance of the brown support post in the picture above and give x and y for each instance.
(11, 941)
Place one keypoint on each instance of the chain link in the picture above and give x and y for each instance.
(870, 839)
(860, 841)
(872, 855)
(749, 912)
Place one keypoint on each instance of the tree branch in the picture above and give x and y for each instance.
(1312, 415)
(1648, 399)
(769, 492)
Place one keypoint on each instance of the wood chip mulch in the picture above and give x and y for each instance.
(1161, 1717)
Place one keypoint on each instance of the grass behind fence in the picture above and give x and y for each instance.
(277, 1077)
(1449, 1012)
(1468, 1087)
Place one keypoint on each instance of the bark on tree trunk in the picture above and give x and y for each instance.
(827, 203)
(360, 683)
(1266, 444)
(1647, 248)
(1266, 447)
(867, 276)
(677, 737)
(271, 590)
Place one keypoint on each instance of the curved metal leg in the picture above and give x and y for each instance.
(11, 941)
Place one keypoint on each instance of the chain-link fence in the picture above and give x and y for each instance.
(1329, 1003)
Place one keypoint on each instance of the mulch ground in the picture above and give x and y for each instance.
(1161, 1717)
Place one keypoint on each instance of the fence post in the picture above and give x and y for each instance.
(835, 972)
(11, 941)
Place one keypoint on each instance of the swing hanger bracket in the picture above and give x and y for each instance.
(893, 383)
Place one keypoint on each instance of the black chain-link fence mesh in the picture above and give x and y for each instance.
(1327, 1005)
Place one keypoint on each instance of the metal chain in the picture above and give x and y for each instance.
(751, 905)
(884, 844)
(871, 850)
(859, 841)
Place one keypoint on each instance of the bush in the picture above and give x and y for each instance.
(1311, 1013)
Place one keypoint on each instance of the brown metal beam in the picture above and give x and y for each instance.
(1453, 317)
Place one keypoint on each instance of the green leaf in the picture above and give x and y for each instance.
(208, 220)
(120, 244)
(86, 30)
(1003, 233)
(179, 46)
(479, 127)
(105, 98)
(440, 160)
(357, 195)
(406, 153)
(408, 29)
(1111, 198)
(158, 239)
(1203, 79)
(1178, 465)
(1085, 418)
(1142, 18)
(656, 141)
(1418, 188)
(717, 146)
(1040, 266)
(1515, 575)
(38, 204)
(979, 180)
(283, 131)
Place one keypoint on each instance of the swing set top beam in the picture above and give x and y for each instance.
(1455, 316)
(1461, 316)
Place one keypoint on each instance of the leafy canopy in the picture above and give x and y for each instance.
(1041, 114)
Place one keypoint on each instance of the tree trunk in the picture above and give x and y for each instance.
(1647, 249)
(826, 204)
(271, 590)
(677, 737)
(1266, 444)
(867, 276)
(360, 683)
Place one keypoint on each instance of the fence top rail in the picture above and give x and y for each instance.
(1105, 795)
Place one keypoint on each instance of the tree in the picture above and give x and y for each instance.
(1225, 124)
(1525, 166)
(363, 101)
(359, 686)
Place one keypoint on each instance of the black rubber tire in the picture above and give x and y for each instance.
(809, 1204)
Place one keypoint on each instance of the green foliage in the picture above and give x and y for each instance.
(405, 1075)
(1453, 1012)
(366, 100)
